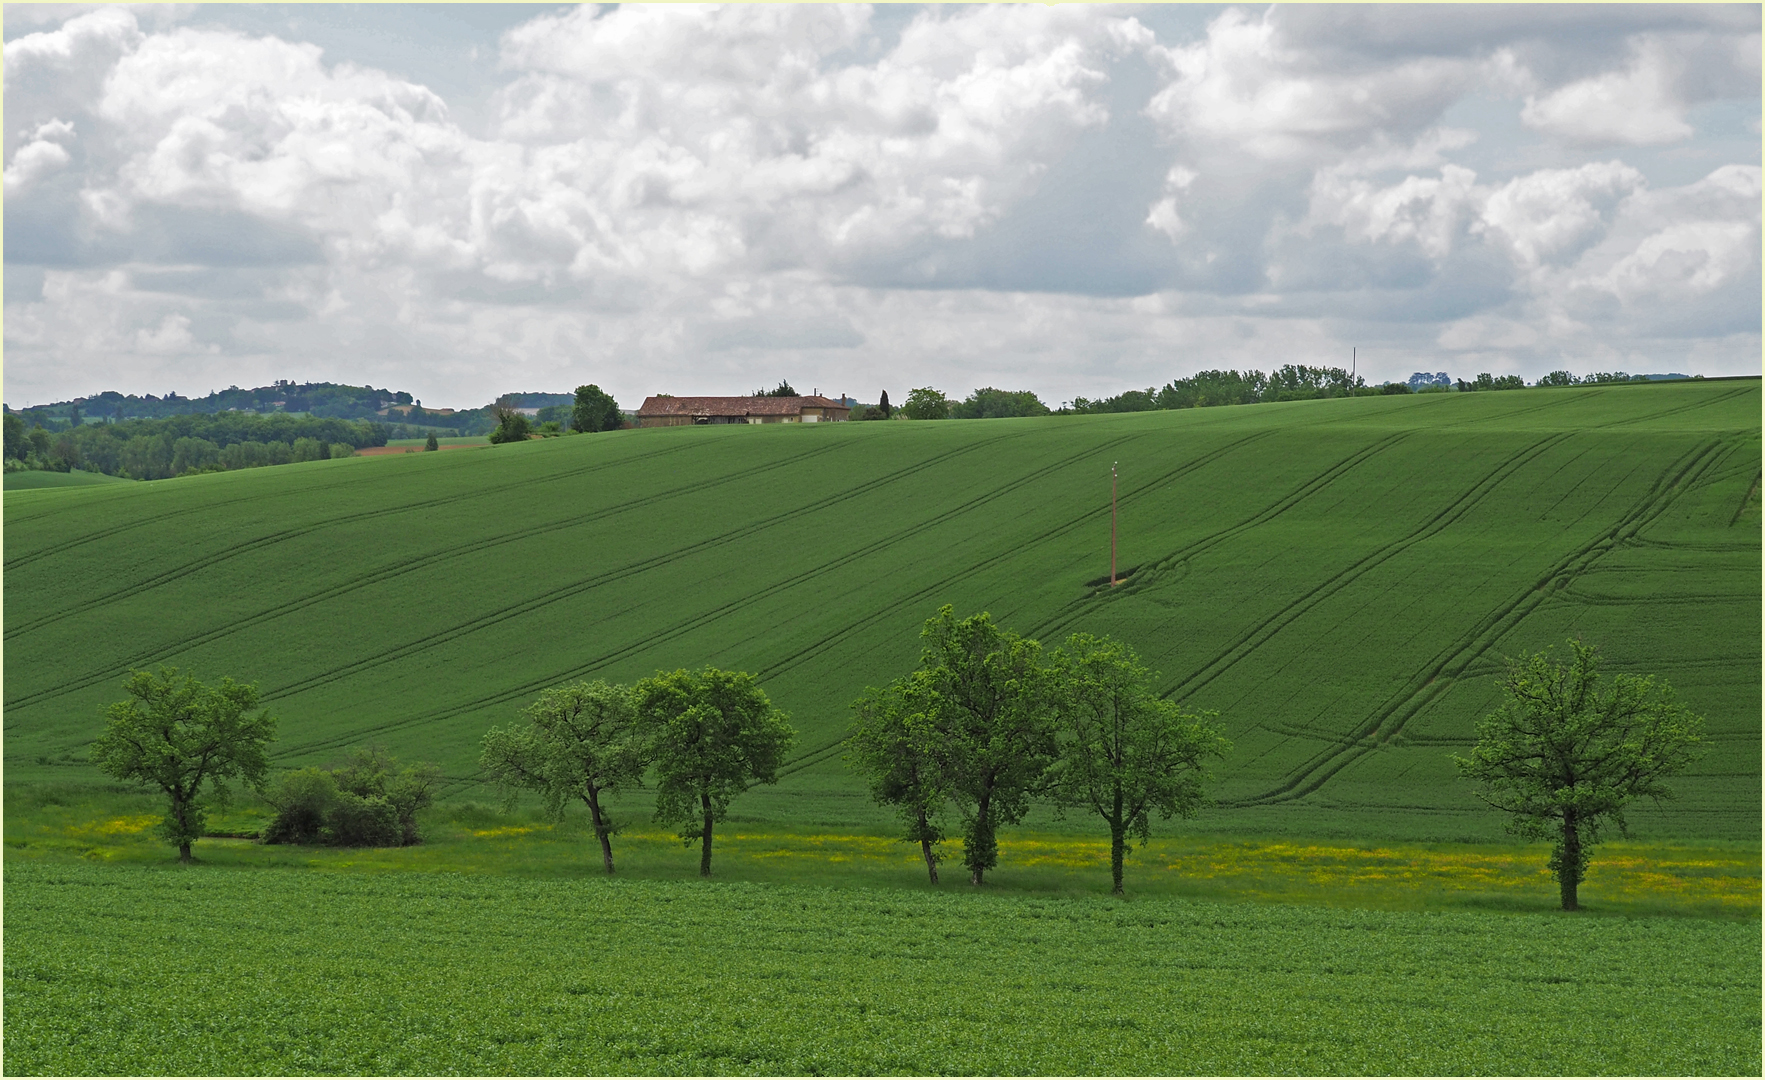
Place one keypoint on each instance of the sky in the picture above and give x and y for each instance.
(463, 201)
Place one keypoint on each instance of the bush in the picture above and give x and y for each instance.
(342, 449)
(368, 801)
(355, 821)
(303, 800)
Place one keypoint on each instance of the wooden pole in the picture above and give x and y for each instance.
(1112, 580)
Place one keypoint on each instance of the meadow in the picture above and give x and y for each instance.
(1338, 579)
(211, 970)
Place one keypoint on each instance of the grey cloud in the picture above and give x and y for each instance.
(780, 331)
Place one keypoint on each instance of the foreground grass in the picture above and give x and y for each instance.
(216, 970)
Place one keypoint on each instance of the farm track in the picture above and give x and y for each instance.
(1256, 636)
(705, 618)
(522, 607)
(1146, 576)
(1384, 725)
(393, 570)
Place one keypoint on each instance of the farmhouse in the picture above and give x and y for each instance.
(660, 411)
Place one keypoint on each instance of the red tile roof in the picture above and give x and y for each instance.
(733, 406)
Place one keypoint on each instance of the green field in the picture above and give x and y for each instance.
(1339, 579)
(216, 971)
(35, 479)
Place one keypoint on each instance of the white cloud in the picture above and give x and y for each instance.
(1554, 214)
(1429, 212)
(1637, 105)
(31, 163)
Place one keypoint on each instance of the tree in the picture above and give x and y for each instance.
(511, 424)
(595, 410)
(1561, 757)
(714, 735)
(581, 742)
(783, 389)
(988, 403)
(18, 446)
(431, 443)
(183, 737)
(376, 778)
(925, 403)
(882, 405)
(896, 744)
(987, 693)
(1123, 751)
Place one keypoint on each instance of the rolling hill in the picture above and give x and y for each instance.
(1339, 579)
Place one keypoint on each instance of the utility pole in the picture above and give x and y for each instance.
(1112, 580)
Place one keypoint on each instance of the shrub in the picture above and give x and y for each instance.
(303, 799)
(355, 821)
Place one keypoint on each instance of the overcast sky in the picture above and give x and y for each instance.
(462, 201)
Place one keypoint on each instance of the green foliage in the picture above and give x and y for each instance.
(431, 443)
(368, 801)
(512, 426)
(1562, 758)
(713, 735)
(896, 744)
(783, 389)
(925, 403)
(1486, 381)
(581, 742)
(988, 403)
(1124, 752)
(115, 971)
(188, 740)
(988, 702)
(595, 410)
(18, 446)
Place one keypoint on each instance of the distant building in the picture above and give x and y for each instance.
(681, 411)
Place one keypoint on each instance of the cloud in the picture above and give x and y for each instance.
(1637, 105)
(1554, 214)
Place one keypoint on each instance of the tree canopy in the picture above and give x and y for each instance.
(581, 741)
(925, 403)
(188, 740)
(595, 410)
(896, 743)
(1124, 752)
(988, 403)
(1564, 755)
(714, 734)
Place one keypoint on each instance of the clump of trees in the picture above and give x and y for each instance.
(512, 425)
(371, 800)
(181, 445)
(987, 723)
(783, 389)
(708, 736)
(925, 403)
(189, 740)
(988, 403)
(1564, 754)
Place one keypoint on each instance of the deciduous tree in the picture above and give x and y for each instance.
(925, 403)
(595, 410)
(1124, 752)
(188, 740)
(581, 742)
(714, 734)
(896, 744)
(991, 708)
(1563, 756)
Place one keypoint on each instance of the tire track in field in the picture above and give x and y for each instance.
(1256, 636)
(508, 694)
(166, 651)
(396, 568)
(328, 486)
(1451, 662)
(1073, 609)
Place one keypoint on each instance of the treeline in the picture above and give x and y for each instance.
(180, 445)
(334, 400)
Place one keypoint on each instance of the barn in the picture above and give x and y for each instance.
(663, 411)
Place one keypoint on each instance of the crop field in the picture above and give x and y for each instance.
(1339, 579)
(35, 479)
(217, 971)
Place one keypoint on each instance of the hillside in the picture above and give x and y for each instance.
(1338, 578)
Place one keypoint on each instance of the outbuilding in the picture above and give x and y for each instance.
(663, 411)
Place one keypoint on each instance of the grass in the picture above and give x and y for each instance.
(1339, 579)
(214, 970)
(36, 480)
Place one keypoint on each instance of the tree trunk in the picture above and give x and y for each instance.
(1116, 842)
(931, 862)
(705, 851)
(184, 852)
(983, 837)
(1569, 873)
(601, 832)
